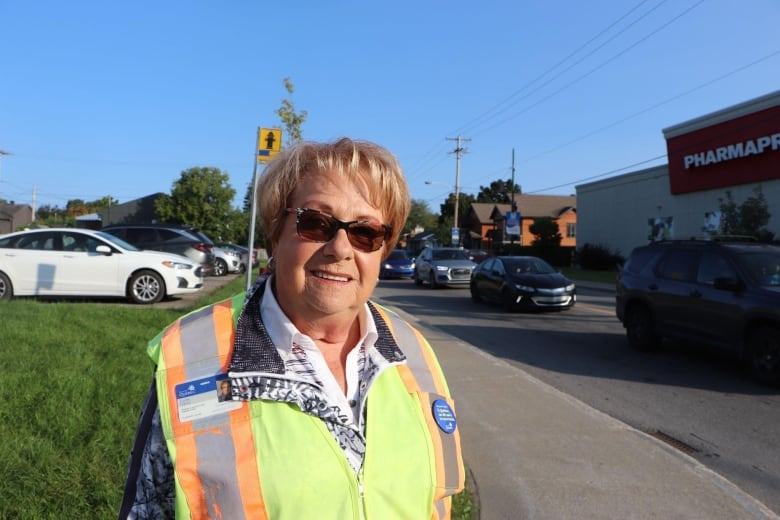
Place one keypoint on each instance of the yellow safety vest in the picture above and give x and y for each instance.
(268, 460)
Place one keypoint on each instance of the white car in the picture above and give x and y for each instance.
(83, 262)
(227, 260)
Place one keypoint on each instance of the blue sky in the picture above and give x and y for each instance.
(118, 98)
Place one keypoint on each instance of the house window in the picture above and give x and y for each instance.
(571, 230)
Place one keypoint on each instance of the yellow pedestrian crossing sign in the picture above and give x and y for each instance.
(269, 143)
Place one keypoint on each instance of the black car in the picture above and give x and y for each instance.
(168, 238)
(522, 282)
(724, 294)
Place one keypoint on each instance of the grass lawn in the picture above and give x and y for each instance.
(75, 376)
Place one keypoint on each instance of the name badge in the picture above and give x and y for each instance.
(205, 397)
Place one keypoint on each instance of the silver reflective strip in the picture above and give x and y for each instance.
(215, 451)
(194, 329)
(216, 465)
(441, 509)
(449, 451)
(405, 336)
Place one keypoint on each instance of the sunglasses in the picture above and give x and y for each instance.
(364, 235)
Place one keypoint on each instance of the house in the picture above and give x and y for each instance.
(137, 211)
(486, 222)
(14, 216)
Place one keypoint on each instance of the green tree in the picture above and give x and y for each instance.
(447, 215)
(547, 237)
(201, 197)
(291, 120)
(97, 205)
(75, 208)
(499, 192)
(421, 216)
(749, 218)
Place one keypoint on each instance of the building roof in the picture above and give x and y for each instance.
(726, 114)
(529, 206)
(10, 210)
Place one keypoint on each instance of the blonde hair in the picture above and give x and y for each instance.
(377, 167)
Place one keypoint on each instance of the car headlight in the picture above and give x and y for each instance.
(388, 266)
(524, 288)
(176, 265)
(569, 287)
(230, 253)
(442, 268)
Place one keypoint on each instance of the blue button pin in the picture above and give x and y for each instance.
(444, 416)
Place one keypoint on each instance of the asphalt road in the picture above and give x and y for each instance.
(699, 402)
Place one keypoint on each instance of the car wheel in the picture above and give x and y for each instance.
(475, 297)
(639, 329)
(763, 355)
(6, 289)
(220, 267)
(146, 287)
(417, 281)
(508, 300)
(241, 269)
(432, 280)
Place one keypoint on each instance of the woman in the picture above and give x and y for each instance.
(339, 408)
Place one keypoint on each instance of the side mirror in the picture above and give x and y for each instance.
(103, 250)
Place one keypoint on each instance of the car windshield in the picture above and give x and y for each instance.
(398, 254)
(116, 241)
(763, 267)
(528, 266)
(449, 254)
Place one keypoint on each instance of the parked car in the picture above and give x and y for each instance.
(477, 255)
(226, 260)
(522, 282)
(244, 254)
(399, 264)
(720, 293)
(442, 266)
(84, 262)
(168, 238)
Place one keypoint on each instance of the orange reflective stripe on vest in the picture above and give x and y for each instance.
(422, 374)
(215, 458)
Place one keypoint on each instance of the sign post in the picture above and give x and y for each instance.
(269, 143)
(455, 236)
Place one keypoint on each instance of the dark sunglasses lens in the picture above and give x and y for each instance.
(366, 237)
(315, 226)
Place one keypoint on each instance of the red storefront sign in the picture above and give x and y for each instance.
(742, 150)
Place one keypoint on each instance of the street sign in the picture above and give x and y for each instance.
(269, 143)
(455, 236)
(513, 223)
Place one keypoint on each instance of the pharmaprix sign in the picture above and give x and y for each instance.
(733, 151)
(729, 152)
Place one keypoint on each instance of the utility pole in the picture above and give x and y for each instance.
(457, 151)
(512, 207)
(2, 153)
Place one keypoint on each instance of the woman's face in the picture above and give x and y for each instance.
(315, 280)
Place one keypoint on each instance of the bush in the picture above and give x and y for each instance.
(598, 257)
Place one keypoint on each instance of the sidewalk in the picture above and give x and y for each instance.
(536, 453)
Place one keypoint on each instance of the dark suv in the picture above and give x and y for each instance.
(172, 239)
(725, 294)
